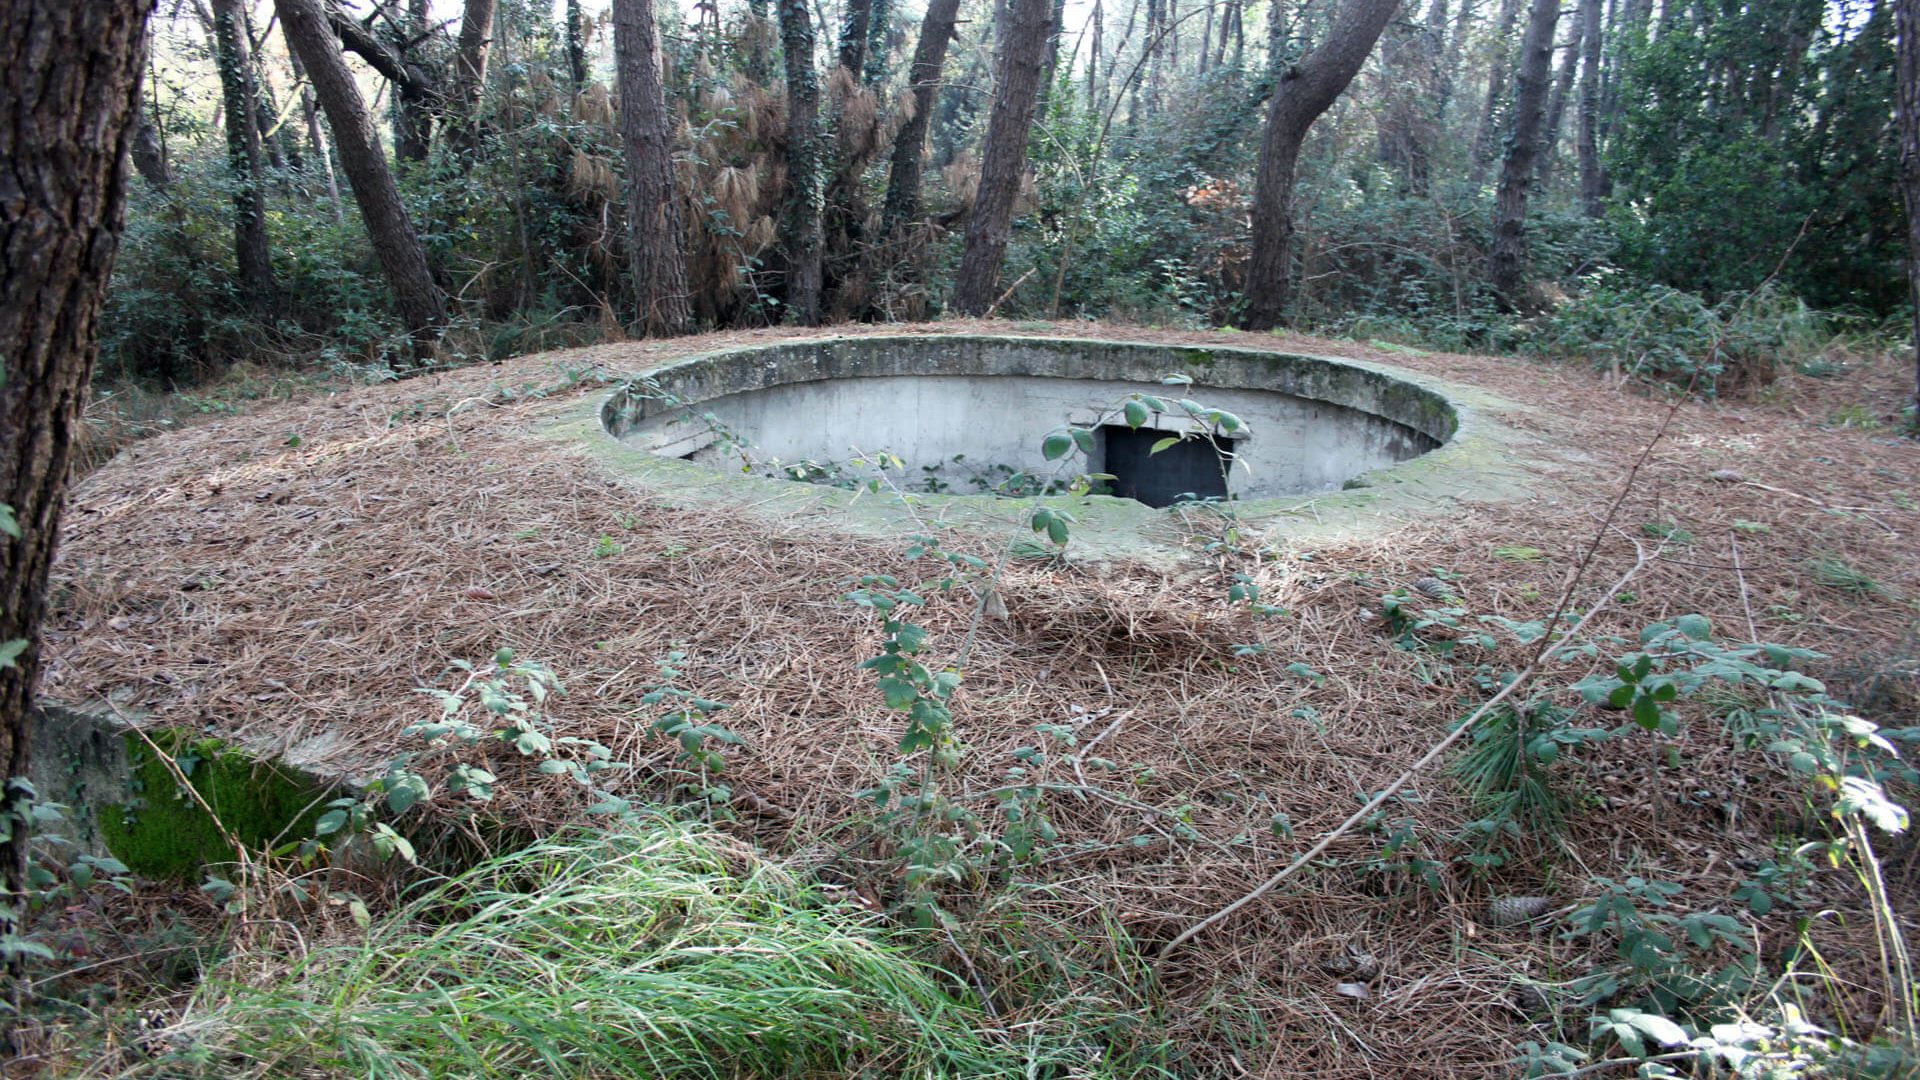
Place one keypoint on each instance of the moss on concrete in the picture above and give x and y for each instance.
(162, 832)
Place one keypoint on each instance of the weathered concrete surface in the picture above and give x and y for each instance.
(1475, 461)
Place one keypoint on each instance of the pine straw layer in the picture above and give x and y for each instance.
(296, 595)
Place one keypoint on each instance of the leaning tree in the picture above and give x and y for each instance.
(1305, 90)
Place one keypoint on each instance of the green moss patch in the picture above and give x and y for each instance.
(163, 832)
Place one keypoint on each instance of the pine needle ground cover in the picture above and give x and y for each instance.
(302, 571)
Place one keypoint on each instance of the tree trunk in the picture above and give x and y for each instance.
(853, 37)
(233, 57)
(422, 304)
(1004, 163)
(1562, 89)
(412, 105)
(1486, 136)
(149, 157)
(801, 232)
(316, 138)
(69, 95)
(657, 238)
(470, 72)
(1906, 21)
(902, 206)
(1052, 61)
(576, 48)
(1093, 56)
(1305, 90)
(1508, 257)
(282, 149)
(1592, 176)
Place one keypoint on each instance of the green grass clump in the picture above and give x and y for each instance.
(651, 949)
(1837, 573)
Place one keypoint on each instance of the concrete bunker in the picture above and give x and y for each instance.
(966, 415)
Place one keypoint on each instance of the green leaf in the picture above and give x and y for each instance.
(1056, 446)
(330, 822)
(1136, 413)
(10, 651)
(1858, 795)
(8, 523)
(1057, 532)
(1171, 440)
(1697, 627)
(408, 788)
(1659, 1028)
(1646, 712)
(1083, 439)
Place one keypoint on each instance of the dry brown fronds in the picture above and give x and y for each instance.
(962, 177)
(735, 190)
(594, 105)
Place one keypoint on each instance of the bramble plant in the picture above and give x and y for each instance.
(687, 719)
(500, 705)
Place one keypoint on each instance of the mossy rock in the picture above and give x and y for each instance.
(164, 833)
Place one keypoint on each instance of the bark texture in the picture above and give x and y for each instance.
(656, 236)
(1906, 22)
(233, 57)
(1003, 166)
(1508, 258)
(1305, 91)
(69, 96)
(422, 305)
(802, 236)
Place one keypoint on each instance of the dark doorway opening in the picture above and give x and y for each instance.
(1191, 469)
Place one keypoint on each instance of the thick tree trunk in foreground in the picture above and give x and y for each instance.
(1593, 181)
(910, 145)
(1305, 90)
(422, 305)
(69, 96)
(1016, 91)
(1508, 259)
(232, 54)
(1906, 21)
(802, 237)
(656, 237)
(470, 71)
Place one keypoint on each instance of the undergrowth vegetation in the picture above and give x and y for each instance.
(650, 948)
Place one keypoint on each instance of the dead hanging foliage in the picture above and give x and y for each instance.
(591, 179)
(594, 105)
(962, 178)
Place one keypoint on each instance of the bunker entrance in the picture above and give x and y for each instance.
(1191, 469)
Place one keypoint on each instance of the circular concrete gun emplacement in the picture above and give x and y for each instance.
(958, 422)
